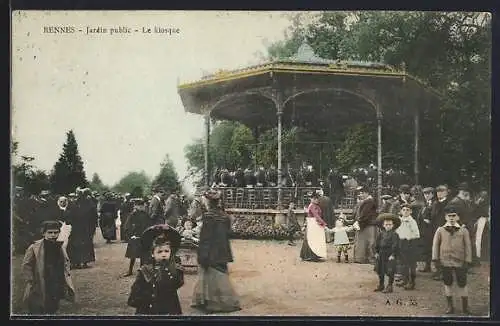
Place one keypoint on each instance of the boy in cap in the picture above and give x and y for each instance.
(452, 251)
(386, 250)
(409, 236)
(438, 217)
(46, 272)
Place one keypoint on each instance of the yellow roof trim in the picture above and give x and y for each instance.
(227, 76)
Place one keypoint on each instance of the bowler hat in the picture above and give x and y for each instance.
(388, 216)
(386, 197)
(51, 225)
(428, 190)
(464, 186)
(404, 189)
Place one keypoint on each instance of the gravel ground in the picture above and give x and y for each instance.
(270, 279)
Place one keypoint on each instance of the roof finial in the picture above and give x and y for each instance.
(306, 52)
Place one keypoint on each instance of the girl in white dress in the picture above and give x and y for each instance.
(341, 240)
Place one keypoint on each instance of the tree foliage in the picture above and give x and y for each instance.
(167, 178)
(24, 173)
(450, 51)
(131, 181)
(68, 172)
(97, 184)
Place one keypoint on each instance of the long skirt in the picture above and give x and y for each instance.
(80, 249)
(306, 253)
(108, 227)
(214, 292)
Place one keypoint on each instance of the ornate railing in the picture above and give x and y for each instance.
(267, 197)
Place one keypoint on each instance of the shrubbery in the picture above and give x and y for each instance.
(258, 227)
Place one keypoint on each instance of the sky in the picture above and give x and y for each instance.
(118, 92)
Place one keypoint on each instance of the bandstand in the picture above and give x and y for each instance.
(304, 90)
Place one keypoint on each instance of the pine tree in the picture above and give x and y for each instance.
(68, 172)
(167, 178)
(97, 184)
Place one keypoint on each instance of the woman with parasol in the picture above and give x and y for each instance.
(213, 291)
(154, 291)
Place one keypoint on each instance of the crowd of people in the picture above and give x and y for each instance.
(154, 230)
(448, 235)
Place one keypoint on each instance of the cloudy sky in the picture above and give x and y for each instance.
(119, 92)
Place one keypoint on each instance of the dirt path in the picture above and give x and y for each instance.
(271, 280)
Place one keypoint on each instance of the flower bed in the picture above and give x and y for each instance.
(258, 227)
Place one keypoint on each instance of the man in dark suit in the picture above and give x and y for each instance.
(425, 228)
(156, 207)
(366, 215)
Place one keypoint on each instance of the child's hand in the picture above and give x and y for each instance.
(391, 257)
(376, 256)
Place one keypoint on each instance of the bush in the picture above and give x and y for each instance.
(258, 227)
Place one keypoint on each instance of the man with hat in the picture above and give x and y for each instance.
(126, 208)
(463, 202)
(46, 272)
(386, 204)
(452, 251)
(425, 227)
(403, 198)
(366, 214)
(156, 206)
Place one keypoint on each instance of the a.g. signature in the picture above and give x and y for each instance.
(401, 302)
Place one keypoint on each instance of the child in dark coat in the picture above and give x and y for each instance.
(386, 250)
(137, 222)
(154, 291)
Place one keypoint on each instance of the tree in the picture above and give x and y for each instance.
(68, 172)
(131, 182)
(97, 184)
(167, 178)
(25, 175)
(451, 51)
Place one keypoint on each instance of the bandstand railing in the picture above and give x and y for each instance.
(258, 198)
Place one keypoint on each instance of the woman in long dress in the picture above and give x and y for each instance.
(314, 244)
(213, 291)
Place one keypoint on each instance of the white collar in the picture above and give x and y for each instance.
(449, 224)
(442, 200)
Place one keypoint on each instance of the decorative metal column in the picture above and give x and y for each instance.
(206, 148)
(379, 158)
(279, 115)
(416, 148)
